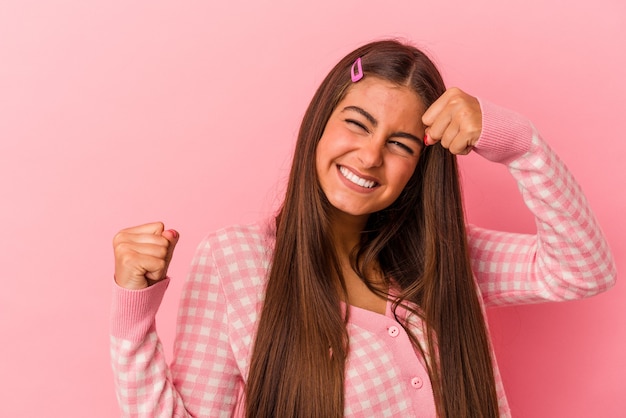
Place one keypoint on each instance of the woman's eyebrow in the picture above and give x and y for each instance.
(365, 114)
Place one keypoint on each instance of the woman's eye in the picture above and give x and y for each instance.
(357, 124)
(401, 147)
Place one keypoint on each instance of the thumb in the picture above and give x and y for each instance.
(172, 236)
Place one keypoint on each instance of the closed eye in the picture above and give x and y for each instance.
(402, 147)
(357, 124)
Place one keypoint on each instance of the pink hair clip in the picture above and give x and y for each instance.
(358, 74)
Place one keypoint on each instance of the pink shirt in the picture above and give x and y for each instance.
(568, 258)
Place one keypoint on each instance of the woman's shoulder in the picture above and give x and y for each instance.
(239, 254)
(254, 237)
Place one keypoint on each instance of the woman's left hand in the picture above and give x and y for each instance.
(455, 120)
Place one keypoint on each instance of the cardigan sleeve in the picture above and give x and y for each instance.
(203, 379)
(143, 381)
(568, 257)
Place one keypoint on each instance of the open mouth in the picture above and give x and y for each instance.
(353, 178)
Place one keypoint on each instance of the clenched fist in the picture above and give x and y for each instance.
(143, 254)
(455, 120)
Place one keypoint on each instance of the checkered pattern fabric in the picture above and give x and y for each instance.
(568, 258)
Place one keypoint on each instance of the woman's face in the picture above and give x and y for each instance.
(370, 146)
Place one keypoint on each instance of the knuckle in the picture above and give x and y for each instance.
(456, 93)
(122, 247)
(160, 226)
(454, 101)
(465, 113)
(117, 238)
(161, 252)
(128, 259)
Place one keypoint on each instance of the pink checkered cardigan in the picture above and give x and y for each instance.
(567, 259)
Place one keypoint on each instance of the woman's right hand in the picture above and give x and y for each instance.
(143, 254)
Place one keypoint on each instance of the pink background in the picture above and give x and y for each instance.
(119, 113)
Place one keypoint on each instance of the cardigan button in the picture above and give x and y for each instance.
(393, 331)
(417, 382)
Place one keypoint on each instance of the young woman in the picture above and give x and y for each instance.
(365, 295)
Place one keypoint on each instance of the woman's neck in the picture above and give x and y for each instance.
(347, 231)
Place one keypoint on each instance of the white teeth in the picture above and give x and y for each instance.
(356, 179)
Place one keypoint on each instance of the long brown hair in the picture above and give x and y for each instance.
(299, 355)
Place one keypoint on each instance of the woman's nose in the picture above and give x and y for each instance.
(371, 154)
